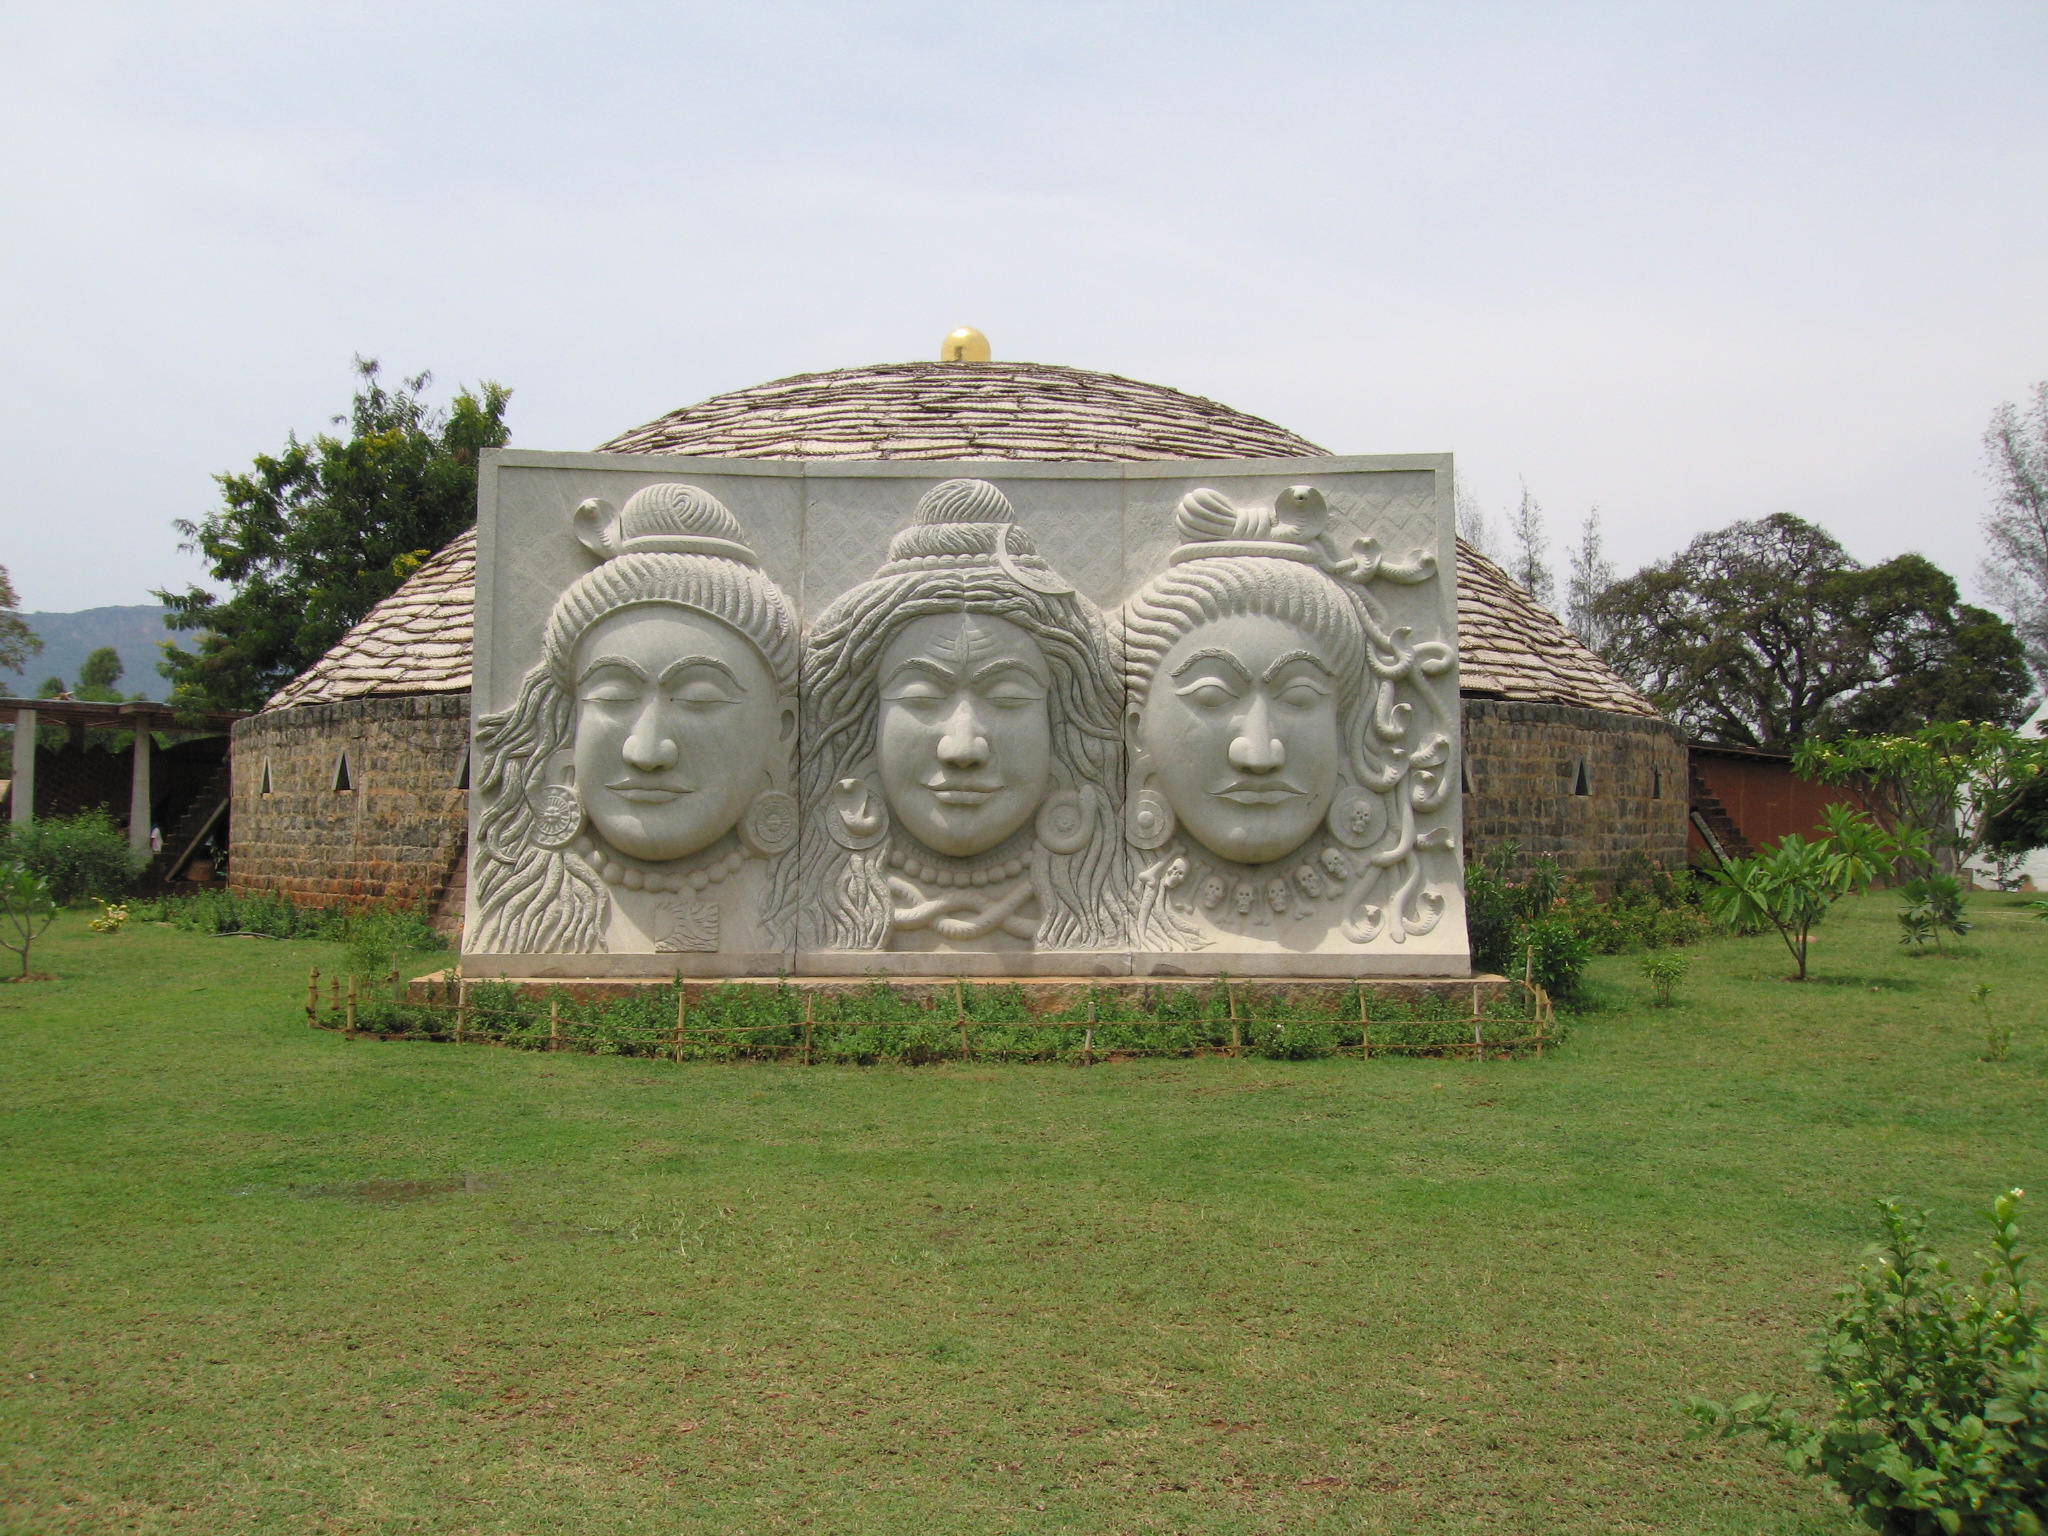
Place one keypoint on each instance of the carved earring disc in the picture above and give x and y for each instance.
(1148, 819)
(1066, 821)
(769, 825)
(557, 815)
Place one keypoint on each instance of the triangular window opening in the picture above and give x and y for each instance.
(266, 778)
(1656, 783)
(462, 778)
(1583, 784)
(344, 781)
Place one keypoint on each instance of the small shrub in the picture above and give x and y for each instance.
(1555, 955)
(1489, 917)
(26, 909)
(112, 919)
(84, 857)
(1934, 906)
(1664, 971)
(1940, 1417)
(1997, 1033)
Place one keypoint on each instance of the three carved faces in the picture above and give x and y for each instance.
(974, 756)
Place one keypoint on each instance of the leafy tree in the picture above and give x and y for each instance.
(17, 641)
(26, 909)
(98, 673)
(1474, 526)
(2022, 826)
(1767, 631)
(2016, 528)
(1531, 566)
(313, 538)
(1790, 887)
(1951, 780)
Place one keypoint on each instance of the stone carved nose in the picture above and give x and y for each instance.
(650, 748)
(963, 745)
(1255, 749)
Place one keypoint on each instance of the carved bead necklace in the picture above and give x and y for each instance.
(616, 868)
(1006, 861)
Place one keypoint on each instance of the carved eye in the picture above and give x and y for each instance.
(1208, 693)
(916, 692)
(1015, 695)
(612, 691)
(1302, 694)
(702, 692)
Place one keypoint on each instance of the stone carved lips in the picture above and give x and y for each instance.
(676, 719)
(1241, 732)
(964, 742)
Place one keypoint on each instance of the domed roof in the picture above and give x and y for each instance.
(418, 639)
(962, 411)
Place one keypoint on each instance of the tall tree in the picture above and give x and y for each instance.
(98, 673)
(17, 641)
(1767, 632)
(310, 540)
(2016, 527)
(1532, 551)
(1590, 574)
(1475, 527)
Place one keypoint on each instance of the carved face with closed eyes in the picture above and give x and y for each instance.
(1241, 729)
(678, 724)
(964, 744)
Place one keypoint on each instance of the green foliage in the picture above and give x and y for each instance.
(1766, 632)
(26, 909)
(1789, 888)
(1997, 1031)
(1567, 921)
(373, 935)
(881, 1024)
(1947, 782)
(1934, 906)
(1664, 971)
(2021, 825)
(1940, 1414)
(312, 539)
(83, 857)
(17, 641)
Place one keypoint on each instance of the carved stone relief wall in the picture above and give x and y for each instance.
(826, 719)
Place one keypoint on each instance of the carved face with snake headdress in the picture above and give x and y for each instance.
(1273, 779)
(636, 797)
(960, 747)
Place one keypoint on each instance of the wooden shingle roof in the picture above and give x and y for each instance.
(418, 639)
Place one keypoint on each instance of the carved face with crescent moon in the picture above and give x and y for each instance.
(1241, 731)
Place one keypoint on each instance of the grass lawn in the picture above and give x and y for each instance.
(259, 1278)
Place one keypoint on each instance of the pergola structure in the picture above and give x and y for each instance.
(141, 717)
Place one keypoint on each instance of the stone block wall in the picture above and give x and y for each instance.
(396, 834)
(1585, 786)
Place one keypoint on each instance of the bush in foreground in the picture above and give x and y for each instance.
(84, 857)
(1940, 1419)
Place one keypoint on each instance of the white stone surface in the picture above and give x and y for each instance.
(1053, 719)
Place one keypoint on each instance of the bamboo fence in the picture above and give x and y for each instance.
(465, 1019)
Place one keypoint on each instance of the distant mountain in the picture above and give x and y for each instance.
(68, 638)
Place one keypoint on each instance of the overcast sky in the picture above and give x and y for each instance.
(1687, 262)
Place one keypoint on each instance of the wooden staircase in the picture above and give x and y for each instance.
(1711, 817)
(183, 841)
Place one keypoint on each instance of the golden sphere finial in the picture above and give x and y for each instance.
(965, 345)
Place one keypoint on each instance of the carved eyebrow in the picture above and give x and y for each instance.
(922, 664)
(1292, 656)
(601, 662)
(1008, 664)
(1211, 653)
(703, 661)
